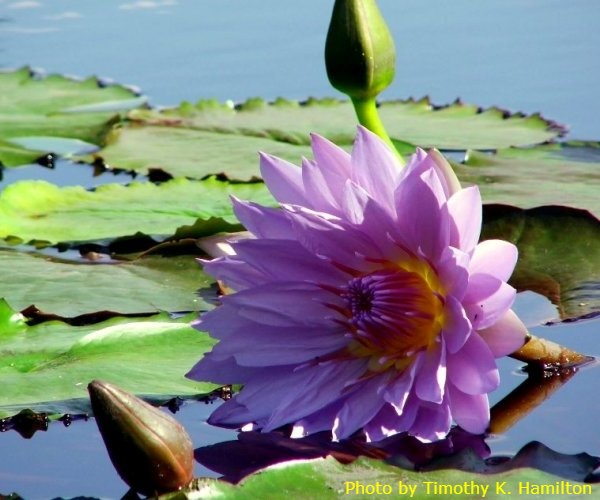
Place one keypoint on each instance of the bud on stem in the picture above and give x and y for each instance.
(360, 58)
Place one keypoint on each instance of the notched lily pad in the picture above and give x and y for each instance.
(455, 126)
(54, 106)
(53, 362)
(189, 152)
(327, 478)
(40, 211)
(81, 291)
(196, 140)
(561, 174)
(559, 254)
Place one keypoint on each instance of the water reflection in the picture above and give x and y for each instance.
(65, 456)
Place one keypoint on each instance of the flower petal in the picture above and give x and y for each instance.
(465, 211)
(333, 161)
(452, 272)
(495, 257)
(487, 299)
(263, 222)
(374, 166)
(286, 260)
(471, 412)
(334, 240)
(233, 272)
(320, 420)
(360, 407)
(283, 304)
(506, 335)
(310, 389)
(446, 173)
(398, 391)
(284, 179)
(432, 423)
(457, 326)
(421, 216)
(318, 192)
(473, 368)
(213, 368)
(354, 200)
(220, 245)
(431, 378)
(384, 424)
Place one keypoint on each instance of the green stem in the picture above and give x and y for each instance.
(368, 116)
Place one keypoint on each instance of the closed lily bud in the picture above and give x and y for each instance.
(150, 450)
(359, 53)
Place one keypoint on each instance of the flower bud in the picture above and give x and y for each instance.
(359, 52)
(150, 450)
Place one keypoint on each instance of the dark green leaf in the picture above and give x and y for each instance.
(559, 254)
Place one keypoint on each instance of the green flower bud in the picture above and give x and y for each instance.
(359, 52)
(150, 450)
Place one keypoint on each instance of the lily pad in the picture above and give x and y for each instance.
(562, 174)
(40, 211)
(55, 106)
(254, 451)
(66, 288)
(559, 254)
(210, 138)
(54, 361)
(188, 152)
(327, 478)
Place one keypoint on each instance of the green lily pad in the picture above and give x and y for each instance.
(368, 478)
(53, 361)
(55, 107)
(559, 254)
(40, 211)
(186, 152)
(69, 289)
(561, 174)
(211, 138)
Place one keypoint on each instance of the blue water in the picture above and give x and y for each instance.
(527, 55)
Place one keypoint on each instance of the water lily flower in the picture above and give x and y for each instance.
(364, 302)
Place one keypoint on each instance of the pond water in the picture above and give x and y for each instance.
(534, 55)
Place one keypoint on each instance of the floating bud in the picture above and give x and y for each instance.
(359, 52)
(150, 450)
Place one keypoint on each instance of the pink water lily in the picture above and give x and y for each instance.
(364, 302)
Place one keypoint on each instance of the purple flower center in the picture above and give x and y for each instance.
(394, 313)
